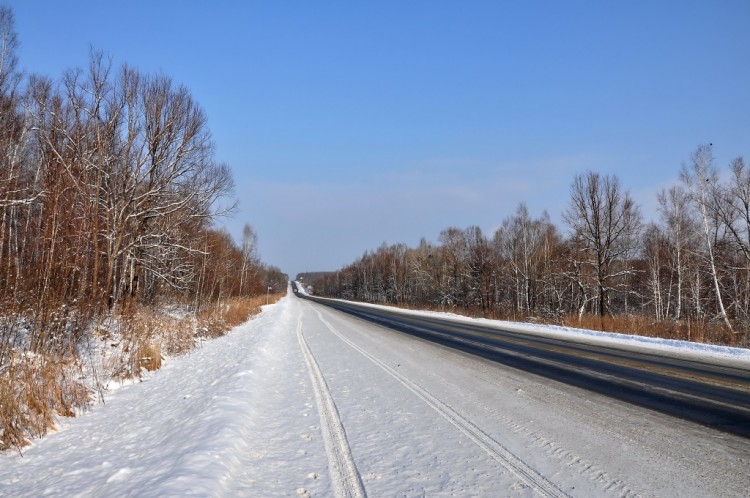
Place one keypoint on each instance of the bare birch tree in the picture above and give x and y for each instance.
(679, 230)
(524, 243)
(701, 180)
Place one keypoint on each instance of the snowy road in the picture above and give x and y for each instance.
(306, 401)
(708, 389)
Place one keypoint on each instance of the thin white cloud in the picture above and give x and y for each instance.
(336, 221)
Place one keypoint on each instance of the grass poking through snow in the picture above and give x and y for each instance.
(36, 388)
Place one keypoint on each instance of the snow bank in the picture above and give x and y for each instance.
(178, 433)
(588, 336)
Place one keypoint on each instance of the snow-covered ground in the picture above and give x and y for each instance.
(305, 401)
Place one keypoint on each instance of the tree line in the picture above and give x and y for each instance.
(689, 268)
(109, 191)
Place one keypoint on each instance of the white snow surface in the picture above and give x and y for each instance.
(183, 431)
(305, 401)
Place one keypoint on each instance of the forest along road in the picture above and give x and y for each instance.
(420, 419)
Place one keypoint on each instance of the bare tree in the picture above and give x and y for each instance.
(479, 267)
(422, 273)
(452, 284)
(679, 230)
(733, 208)
(702, 181)
(524, 243)
(605, 224)
(13, 191)
(656, 252)
(733, 212)
(9, 76)
(250, 258)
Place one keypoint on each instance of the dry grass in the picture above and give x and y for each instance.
(701, 331)
(177, 335)
(33, 390)
(684, 330)
(148, 356)
(148, 334)
(138, 339)
(220, 318)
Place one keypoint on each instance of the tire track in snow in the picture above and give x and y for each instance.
(346, 481)
(572, 461)
(494, 449)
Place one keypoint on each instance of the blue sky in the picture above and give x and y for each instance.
(348, 124)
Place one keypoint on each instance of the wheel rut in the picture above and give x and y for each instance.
(346, 481)
(540, 484)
